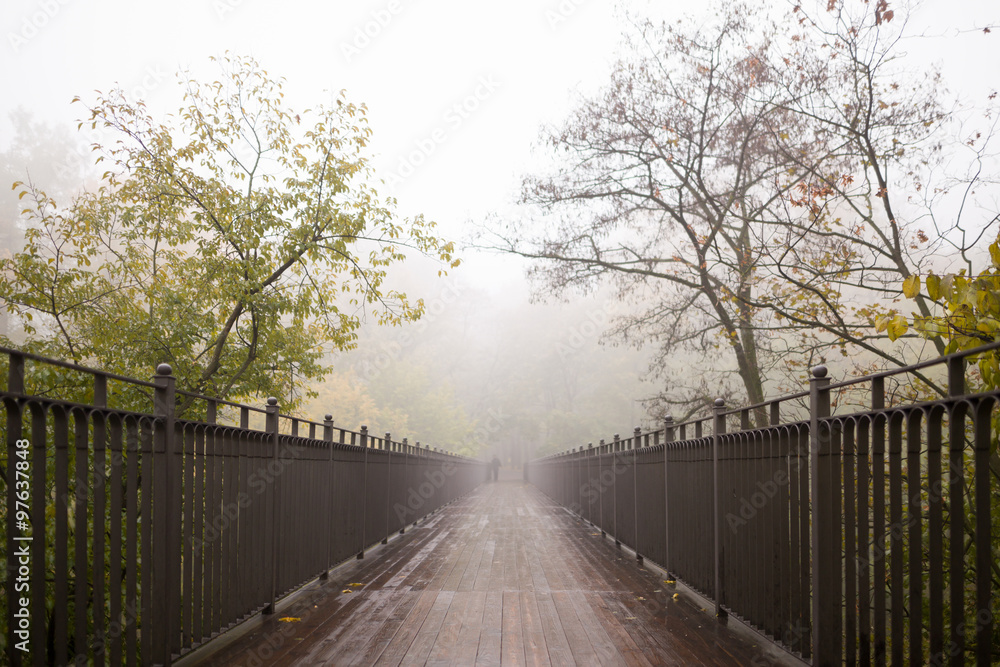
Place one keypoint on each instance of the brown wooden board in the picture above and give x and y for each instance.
(502, 576)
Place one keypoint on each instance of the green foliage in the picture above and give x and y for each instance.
(238, 242)
(970, 314)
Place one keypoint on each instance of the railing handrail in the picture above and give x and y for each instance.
(881, 375)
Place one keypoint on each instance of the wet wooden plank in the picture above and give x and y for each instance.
(503, 576)
(555, 638)
(535, 648)
(429, 630)
(472, 629)
(511, 642)
(407, 630)
(489, 637)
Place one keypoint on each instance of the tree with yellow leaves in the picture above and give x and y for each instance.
(237, 241)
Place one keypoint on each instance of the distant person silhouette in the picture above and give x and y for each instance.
(495, 465)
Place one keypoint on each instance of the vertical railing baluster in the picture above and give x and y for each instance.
(271, 427)
(328, 483)
(166, 518)
(718, 430)
(668, 437)
(364, 492)
(825, 542)
(388, 484)
(956, 503)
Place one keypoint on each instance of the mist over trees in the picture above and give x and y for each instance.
(768, 180)
(238, 246)
(484, 372)
(753, 192)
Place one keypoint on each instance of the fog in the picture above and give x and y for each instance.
(456, 93)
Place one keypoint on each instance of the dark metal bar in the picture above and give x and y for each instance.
(364, 490)
(935, 533)
(956, 501)
(668, 437)
(60, 620)
(915, 610)
(983, 494)
(38, 533)
(850, 548)
(273, 509)
(166, 561)
(896, 612)
(718, 431)
(81, 562)
(114, 636)
(330, 494)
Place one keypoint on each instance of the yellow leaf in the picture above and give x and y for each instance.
(289, 619)
(896, 327)
(911, 287)
(933, 287)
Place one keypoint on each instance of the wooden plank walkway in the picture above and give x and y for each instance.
(503, 576)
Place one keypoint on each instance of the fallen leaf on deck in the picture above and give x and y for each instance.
(289, 619)
(676, 595)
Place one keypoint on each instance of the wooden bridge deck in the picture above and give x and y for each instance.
(504, 576)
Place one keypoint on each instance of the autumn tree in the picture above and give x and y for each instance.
(749, 183)
(236, 241)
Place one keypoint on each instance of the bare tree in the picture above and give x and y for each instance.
(744, 181)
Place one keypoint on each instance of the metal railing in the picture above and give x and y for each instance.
(860, 538)
(133, 537)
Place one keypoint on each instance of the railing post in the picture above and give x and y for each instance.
(636, 444)
(826, 603)
(405, 448)
(364, 493)
(388, 484)
(718, 430)
(616, 447)
(328, 439)
(668, 437)
(271, 418)
(166, 563)
(956, 495)
(600, 478)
